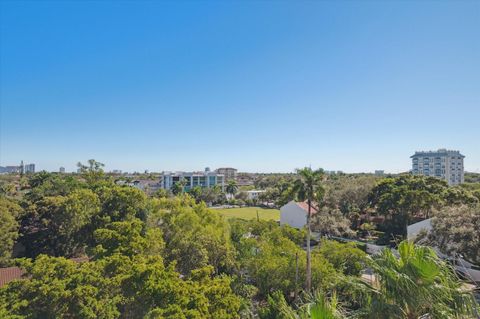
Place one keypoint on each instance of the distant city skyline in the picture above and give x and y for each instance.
(259, 86)
(110, 169)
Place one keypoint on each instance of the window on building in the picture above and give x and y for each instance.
(211, 180)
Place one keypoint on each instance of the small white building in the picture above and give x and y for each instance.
(254, 194)
(295, 213)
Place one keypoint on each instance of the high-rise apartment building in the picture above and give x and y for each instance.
(444, 164)
(62, 170)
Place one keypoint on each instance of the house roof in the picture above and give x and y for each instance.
(304, 206)
(11, 273)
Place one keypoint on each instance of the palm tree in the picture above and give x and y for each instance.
(231, 188)
(308, 187)
(417, 284)
(179, 187)
(319, 308)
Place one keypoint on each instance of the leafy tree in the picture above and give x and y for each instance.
(59, 225)
(332, 222)
(117, 286)
(49, 184)
(9, 211)
(194, 236)
(349, 193)
(269, 254)
(345, 257)
(459, 196)
(308, 187)
(212, 195)
(456, 230)
(92, 172)
(402, 198)
(60, 288)
(120, 203)
(126, 238)
(162, 193)
(196, 192)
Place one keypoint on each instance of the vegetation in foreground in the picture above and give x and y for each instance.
(172, 257)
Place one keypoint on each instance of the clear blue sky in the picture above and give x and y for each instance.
(261, 86)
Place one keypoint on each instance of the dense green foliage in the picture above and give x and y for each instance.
(172, 257)
(9, 211)
(456, 230)
(400, 200)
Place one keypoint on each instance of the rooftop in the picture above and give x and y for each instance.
(441, 151)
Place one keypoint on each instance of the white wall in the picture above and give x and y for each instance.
(414, 229)
(293, 215)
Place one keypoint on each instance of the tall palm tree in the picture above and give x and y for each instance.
(417, 284)
(231, 188)
(308, 187)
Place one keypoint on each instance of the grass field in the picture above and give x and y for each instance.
(250, 213)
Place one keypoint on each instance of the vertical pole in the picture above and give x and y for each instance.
(296, 277)
(308, 283)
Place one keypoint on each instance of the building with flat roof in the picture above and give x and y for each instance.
(229, 173)
(62, 170)
(443, 163)
(192, 179)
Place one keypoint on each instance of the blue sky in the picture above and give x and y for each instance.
(261, 86)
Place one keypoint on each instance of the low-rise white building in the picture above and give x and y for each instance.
(254, 194)
(192, 179)
(295, 214)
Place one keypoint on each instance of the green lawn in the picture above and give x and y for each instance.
(250, 213)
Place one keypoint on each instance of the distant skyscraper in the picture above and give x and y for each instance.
(62, 170)
(444, 164)
(29, 168)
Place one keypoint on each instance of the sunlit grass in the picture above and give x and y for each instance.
(250, 213)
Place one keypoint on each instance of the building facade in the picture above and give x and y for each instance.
(29, 168)
(229, 173)
(254, 194)
(62, 170)
(295, 214)
(192, 179)
(443, 163)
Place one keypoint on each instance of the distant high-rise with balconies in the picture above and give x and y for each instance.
(443, 163)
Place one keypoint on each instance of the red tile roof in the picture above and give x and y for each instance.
(304, 206)
(9, 274)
